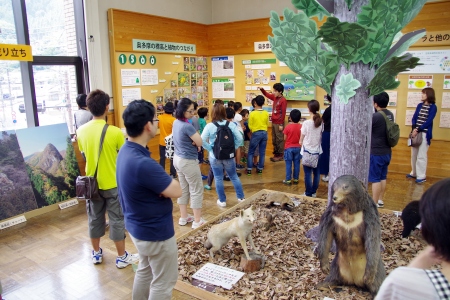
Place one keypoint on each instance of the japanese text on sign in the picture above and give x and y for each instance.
(263, 46)
(15, 52)
(158, 46)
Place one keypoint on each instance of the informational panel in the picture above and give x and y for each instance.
(223, 88)
(222, 66)
(446, 82)
(392, 98)
(130, 94)
(434, 61)
(149, 76)
(414, 98)
(445, 120)
(408, 117)
(445, 100)
(420, 81)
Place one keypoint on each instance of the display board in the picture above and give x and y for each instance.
(160, 78)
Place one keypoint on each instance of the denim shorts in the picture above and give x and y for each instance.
(378, 167)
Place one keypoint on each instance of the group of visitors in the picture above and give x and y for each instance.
(142, 202)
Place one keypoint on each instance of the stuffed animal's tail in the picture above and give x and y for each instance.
(208, 244)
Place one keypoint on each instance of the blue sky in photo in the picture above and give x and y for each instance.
(32, 140)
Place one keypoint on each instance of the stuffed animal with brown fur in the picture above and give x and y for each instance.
(280, 199)
(352, 221)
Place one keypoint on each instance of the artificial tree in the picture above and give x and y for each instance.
(355, 54)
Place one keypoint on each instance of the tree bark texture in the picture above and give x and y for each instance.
(351, 123)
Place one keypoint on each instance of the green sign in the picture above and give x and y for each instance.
(159, 46)
(220, 80)
(122, 59)
(132, 59)
(259, 61)
(152, 60)
(142, 59)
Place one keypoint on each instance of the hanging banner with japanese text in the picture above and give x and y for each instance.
(159, 46)
(15, 52)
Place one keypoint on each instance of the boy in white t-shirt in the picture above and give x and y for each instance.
(237, 106)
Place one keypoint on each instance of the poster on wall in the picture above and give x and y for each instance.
(408, 117)
(51, 163)
(16, 192)
(413, 99)
(149, 76)
(434, 61)
(392, 98)
(420, 81)
(223, 88)
(130, 77)
(297, 88)
(129, 95)
(446, 82)
(222, 66)
(445, 100)
(394, 113)
(445, 120)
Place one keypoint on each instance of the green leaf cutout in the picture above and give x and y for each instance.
(349, 40)
(295, 43)
(384, 78)
(404, 43)
(311, 8)
(386, 18)
(349, 4)
(346, 87)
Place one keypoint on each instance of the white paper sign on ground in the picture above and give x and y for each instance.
(130, 77)
(445, 100)
(445, 120)
(218, 275)
(413, 99)
(129, 95)
(149, 76)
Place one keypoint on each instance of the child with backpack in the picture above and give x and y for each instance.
(221, 138)
(292, 147)
(257, 122)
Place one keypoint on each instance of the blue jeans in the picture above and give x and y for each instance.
(311, 185)
(217, 166)
(292, 156)
(259, 138)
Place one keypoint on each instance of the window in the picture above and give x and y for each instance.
(42, 92)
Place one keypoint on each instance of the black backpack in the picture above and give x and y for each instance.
(224, 143)
(392, 131)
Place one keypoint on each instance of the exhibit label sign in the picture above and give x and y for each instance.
(159, 46)
(15, 52)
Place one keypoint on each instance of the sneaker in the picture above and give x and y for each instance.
(420, 180)
(295, 181)
(127, 259)
(325, 178)
(287, 182)
(240, 200)
(276, 158)
(243, 160)
(221, 204)
(197, 225)
(380, 203)
(410, 176)
(183, 221)
(97, 257)
(239, 167)
(239, 174)
(313, 195)
(226, 178)
(259, 171)
(249, 172)
(204, 177)
(207, 187)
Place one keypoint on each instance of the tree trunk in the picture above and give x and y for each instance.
(352, 122)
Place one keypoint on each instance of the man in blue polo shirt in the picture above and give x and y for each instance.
(145, 190)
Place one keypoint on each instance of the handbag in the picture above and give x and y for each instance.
(415, 141)
(87, 186)
(310, 158)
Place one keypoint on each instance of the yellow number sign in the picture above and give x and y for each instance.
(15, 52)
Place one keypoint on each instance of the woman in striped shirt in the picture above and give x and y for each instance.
(422, 123)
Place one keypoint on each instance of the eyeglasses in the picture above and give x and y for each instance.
(190, 111)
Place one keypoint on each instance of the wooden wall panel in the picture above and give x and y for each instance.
(433, 17)
(131, 25)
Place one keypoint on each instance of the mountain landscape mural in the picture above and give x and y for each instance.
(50, 162)
(16, 192)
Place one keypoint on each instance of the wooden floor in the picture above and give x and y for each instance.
(48, 257)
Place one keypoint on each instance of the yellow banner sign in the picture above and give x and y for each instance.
(15, 52)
